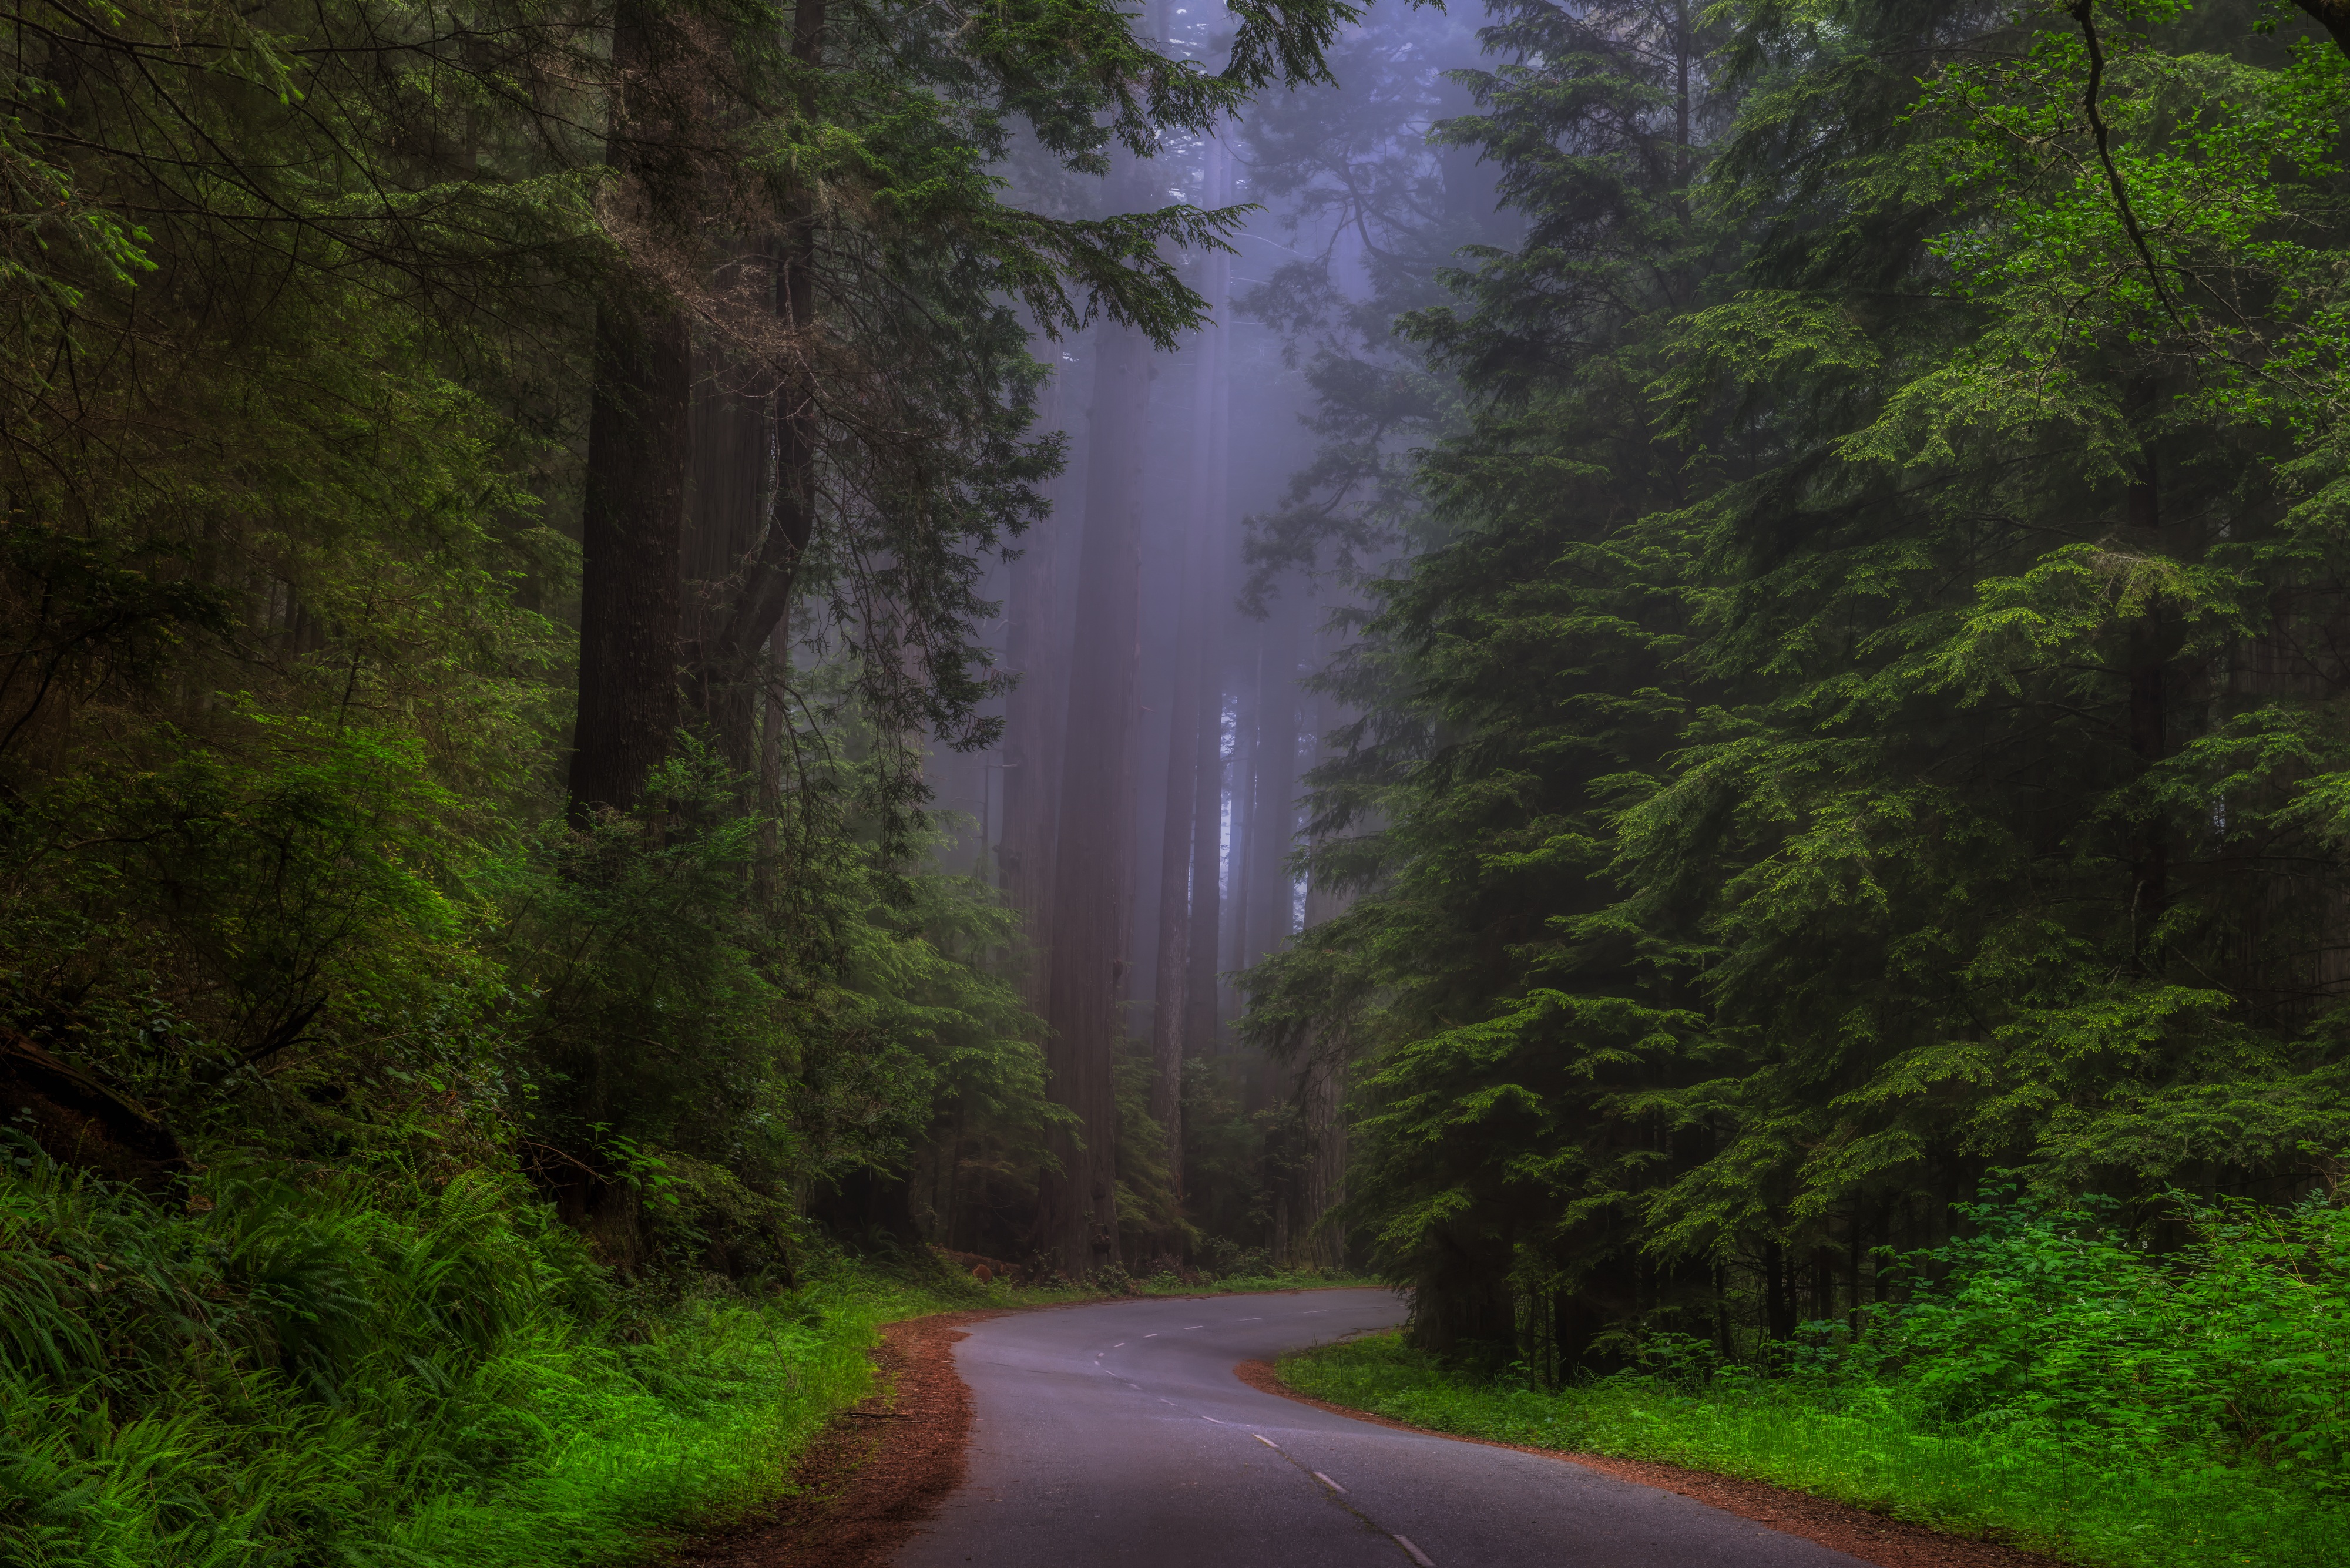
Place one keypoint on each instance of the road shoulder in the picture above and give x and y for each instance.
(876, 1472)
(1872, 1538)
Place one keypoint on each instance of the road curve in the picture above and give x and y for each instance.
(1118, 1435)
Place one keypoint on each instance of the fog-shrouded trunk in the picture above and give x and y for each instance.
(1272, 894)
(1240, 858)
(1034, 712)
(1201, 1025)
(1076, 1206)
(1175, 892)
(639, 445)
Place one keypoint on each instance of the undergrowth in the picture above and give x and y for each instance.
(288, 1365)
(2050, 1382)
(321, 1368)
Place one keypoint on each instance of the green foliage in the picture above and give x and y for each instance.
(2058, 1385)
(358, 1366)
(1865, 707)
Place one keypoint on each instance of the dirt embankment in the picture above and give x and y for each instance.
(875, 1471)
(1872, 1538)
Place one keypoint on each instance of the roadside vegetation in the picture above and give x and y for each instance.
(363, 1367)
(2048, 1385)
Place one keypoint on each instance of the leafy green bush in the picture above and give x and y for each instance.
(2236, 1346)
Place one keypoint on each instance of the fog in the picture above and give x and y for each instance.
(1224, 508)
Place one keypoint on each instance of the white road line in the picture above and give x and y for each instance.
(1268, 1442)
(1325, 1481)
(1317, 1312)
(1210, 1419)
(1417, 1554)
(1150, 1337)
(1190, 1327)
(1248, 1320)
(1167, 1401)
(1120, 1346)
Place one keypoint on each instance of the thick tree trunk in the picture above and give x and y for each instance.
(1272, 833)
(2148, 719)
(1238, 875)
(1077, 1219)
(1175, 864)
(1201, 1025)
(639, 445)
(722, 666)
(1322, 1183)
(1034, 712)
(726, 505)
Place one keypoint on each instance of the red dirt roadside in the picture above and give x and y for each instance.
(879, 1469)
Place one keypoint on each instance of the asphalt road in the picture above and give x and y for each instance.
(1117, 1435)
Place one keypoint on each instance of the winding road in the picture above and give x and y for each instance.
(1118, 1435)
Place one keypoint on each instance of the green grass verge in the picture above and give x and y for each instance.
(357, 1369)
(689, 1430)
(2012, 1483)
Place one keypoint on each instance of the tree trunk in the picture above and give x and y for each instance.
(1201, 1022)
(1035, 650)
(722, 669)
(1076, 1217)
(639, 444)
(2148, 723)
(1322, 1184)
(726, 504)
(1246, 716)
(1173, 957)
(1272, 833)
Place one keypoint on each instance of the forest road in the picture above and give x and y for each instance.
(1117, 1435)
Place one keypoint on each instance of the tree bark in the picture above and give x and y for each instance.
(2148, 718)
(726, 504)
(1201, 1024)
(1272, 833)
(2333, 15)
(1076, 1217)
(1034, 712)
(1175, 861)
(723, 666)
(639, 444)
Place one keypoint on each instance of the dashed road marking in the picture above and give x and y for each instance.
(1190, 1327)
(1325, 1481)
(1210, 1419)
(1268, 1442)
(1150, 1337)
(1417, 1554)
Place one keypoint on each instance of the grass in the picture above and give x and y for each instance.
(360, 1369)
(345, 1370)
(696, 1424)
(2011, 1483)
